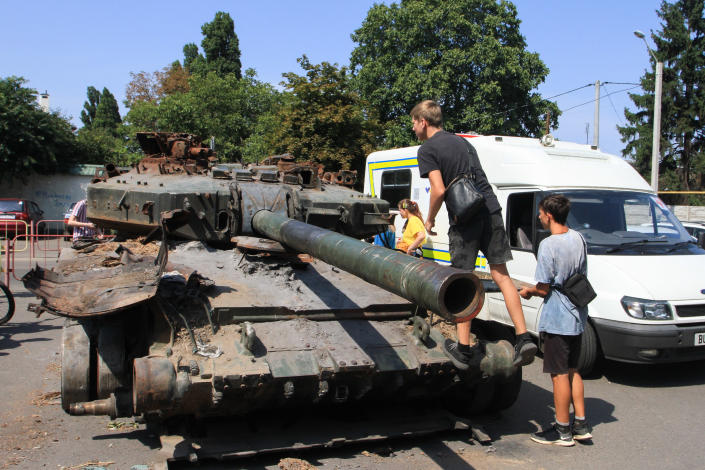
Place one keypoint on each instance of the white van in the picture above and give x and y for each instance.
(648, 273)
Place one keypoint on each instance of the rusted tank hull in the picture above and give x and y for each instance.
(299, 363)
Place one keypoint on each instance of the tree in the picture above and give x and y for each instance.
(681, 46)
(107, 114)
(224, 107)
(221, 47)
(468, 55)
(325, 121)
(143, 86)
(173, 79)
(152, 87)
(30, 139)
(90, 106)
(102, 146)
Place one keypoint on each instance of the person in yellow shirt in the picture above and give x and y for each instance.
(414, 231)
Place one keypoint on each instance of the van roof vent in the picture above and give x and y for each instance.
(547, 140)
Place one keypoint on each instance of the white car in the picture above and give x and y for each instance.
(695, 229)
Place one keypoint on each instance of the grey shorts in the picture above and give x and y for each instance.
(485, 232)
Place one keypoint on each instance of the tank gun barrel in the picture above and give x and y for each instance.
(454, 294)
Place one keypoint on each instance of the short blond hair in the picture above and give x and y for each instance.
(430, 111)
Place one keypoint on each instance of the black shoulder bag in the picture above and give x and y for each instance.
(577, 287)
(462, 197)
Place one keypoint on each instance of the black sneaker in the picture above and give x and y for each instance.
(556, 434)
(460, 359)
(524, 350)
(581, 430)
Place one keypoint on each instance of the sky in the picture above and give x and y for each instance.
(64, 47)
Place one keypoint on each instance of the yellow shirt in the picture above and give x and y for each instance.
(413, 226)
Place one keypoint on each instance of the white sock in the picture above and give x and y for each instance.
(580, 418)
(562, 424)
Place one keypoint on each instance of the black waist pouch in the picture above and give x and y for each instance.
(462, 197)
(578, 290)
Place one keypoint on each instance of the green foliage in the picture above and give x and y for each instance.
(107, 114)
(225, 107)
(221, 47)
(90, 106)
(681, 46)
(468, 55)
(102, 146)
(325, 121)
(30, 139)
(192, 58)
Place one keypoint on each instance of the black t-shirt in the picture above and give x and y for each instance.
(453, 156)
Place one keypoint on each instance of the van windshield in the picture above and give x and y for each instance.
(627, 222)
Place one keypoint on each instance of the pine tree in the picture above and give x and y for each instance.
(107, 114)
(221, 47)
(681, 46)
(90, 107)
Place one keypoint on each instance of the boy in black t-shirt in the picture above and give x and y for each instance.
(442, 157)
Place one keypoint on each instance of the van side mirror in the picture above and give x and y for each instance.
(701, 239)
(541, 235)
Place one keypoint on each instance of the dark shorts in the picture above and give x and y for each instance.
(485, 232)
(560, 352)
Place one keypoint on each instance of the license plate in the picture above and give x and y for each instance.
(5, 216)
(699, 339)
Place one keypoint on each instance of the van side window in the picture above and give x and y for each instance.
(521, 220)
(396, 185)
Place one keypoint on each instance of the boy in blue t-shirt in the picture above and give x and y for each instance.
(561, 325)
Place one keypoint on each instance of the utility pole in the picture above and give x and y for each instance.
(587, 132)
(596, 131)
(548, 122)
(656, 142)
(656, 138)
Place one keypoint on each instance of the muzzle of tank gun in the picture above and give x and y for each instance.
(452, 293)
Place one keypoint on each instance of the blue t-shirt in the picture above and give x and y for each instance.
(559, 257)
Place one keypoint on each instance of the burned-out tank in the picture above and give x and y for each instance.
(250, 289)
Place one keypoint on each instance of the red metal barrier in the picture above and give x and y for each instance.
(41, 243)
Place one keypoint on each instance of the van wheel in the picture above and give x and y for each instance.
(589, 351)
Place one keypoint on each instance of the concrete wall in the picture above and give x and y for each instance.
(689, 213)
(53, 193)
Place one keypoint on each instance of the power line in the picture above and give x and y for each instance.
(565, 93)
(612, 103)
(593, 100)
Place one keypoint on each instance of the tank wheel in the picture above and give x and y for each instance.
(75, 364)
(589, 351)
(482, 397)
(111, 359)
(506, 393)
(471, 399)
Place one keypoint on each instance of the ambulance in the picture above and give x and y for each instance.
(648, 272)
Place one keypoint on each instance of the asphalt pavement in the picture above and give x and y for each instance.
(642, 416)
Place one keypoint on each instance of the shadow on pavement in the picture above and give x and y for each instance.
(10, 331)
(655, 375)
(535, 406)
(144, 436)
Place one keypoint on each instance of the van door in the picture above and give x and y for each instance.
(524, 232)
